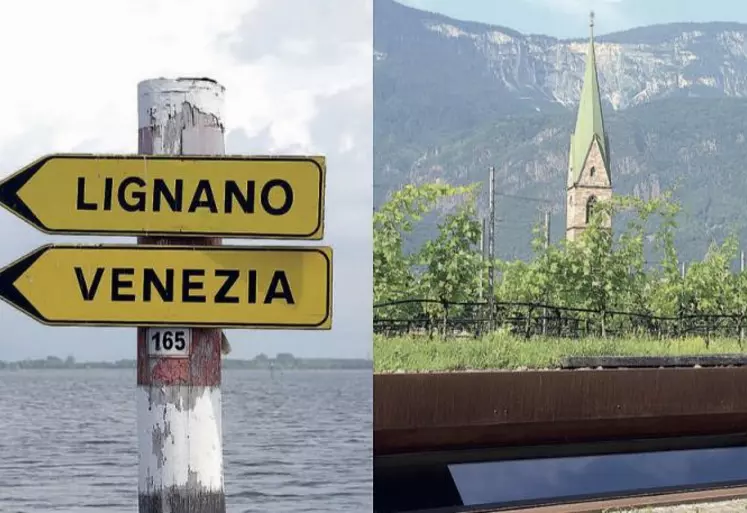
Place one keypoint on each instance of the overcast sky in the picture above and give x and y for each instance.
(569, 18)
(298, 79)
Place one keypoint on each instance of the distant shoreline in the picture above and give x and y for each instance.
(281, 362)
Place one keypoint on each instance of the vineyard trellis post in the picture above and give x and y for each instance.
(741, 313)
(491, 250)
(680, 327)
(547, 247)
(481, 282)
(445, 325)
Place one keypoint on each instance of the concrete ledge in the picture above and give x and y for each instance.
(626, 504)
(642, 362)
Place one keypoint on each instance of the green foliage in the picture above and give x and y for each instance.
(606, 272)
(603, 271)
(449, 268)
(709, 287)
(452, 265)
(396, 274)
(392, 273)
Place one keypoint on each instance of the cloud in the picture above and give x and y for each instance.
(298, 80)
(82, 59)
(304, 33)
(309, 50)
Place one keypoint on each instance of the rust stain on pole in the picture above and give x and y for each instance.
(461, 410)
(179, 417)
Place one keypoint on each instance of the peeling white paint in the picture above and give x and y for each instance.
(179, 442)
(164, 98)
(179, 427)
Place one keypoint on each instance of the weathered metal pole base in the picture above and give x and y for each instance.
(179, 396)
(177, 499)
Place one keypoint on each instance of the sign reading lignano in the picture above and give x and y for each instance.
(257, 197)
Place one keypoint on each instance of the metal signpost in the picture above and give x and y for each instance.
(180, 195)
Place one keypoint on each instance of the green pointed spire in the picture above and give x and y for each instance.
(589, 122)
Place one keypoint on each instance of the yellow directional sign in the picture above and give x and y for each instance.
(221, 286)
(253, 197)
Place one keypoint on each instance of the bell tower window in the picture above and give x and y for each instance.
(590, 204)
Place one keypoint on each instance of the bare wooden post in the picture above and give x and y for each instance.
(179, 399)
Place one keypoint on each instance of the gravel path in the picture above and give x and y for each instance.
(736, 506)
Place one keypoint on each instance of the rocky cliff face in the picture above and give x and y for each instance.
(635, 66)
(698, 60)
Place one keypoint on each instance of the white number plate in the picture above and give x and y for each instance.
(169, 342)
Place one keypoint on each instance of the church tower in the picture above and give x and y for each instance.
(589, 179)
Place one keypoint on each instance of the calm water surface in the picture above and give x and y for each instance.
(296, 441)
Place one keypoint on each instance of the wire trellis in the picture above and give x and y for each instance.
(473, 319)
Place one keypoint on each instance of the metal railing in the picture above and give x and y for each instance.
(431, 317)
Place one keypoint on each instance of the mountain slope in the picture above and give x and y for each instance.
(452, 98)
(696, 146)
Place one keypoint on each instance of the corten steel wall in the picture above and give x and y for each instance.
(463, 410)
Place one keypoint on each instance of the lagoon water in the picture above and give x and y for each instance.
(296, 441)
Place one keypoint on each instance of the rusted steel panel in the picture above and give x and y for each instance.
(421, 412)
